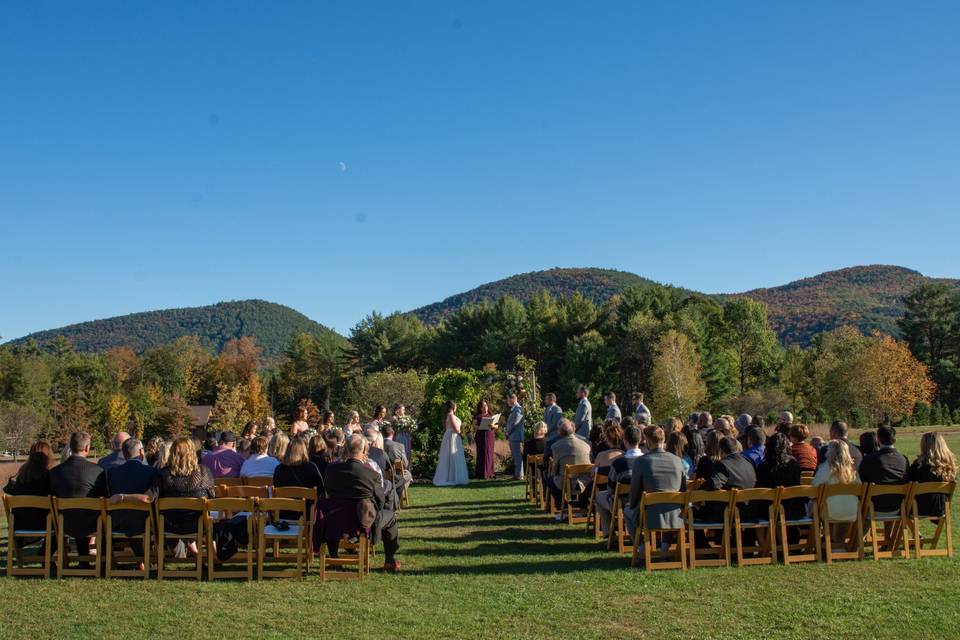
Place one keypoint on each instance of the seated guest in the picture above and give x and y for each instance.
(754, 450)
(710, 457)
(184, 477)
(677, 445)
(224, 461)
(259, 464)
(817, 443)
(672, 424)
(278, 446)
(869, 444)
(704, 421)
(249, 431)
(115, 457)
(317, 449)
(210, 443)
(270, 427)
(612, 436)
(354, 480)
(656, 470)
(32, 479)
(936, 463)
(79, 478)
(297, 471)
(694, 450)
(568, 449)
(396, 451)
(534, 446)
(839, 431)
(743, 424)
(375, 452)
(805, 454)
(886, 466)
(838, 468)
(133, 481)
(780, 469)
(784, 422)
(621, 471)
(731, 471)
(157, 452)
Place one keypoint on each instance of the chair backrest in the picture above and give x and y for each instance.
(663, 497)
(806, 474)
(26, 502)
(295, 505)
(230, 505)
(922, 488)
(694, 485)
(247, 491)
(181, 504)
(623, 490)
(84, 504)
(257, 481)
(741, 496)
(129, 506)
(888, 490)
(833, 490)
(571, 470)
(398, 466)
(230, 482)
(299, 493)
(800, 491)
(710, 496)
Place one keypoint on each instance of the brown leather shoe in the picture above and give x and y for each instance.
(391, 567)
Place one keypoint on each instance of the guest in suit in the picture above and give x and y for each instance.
(656, 470)
(621, 472)
(396, 451)
(640, 410)
(583, 418)
(568, 449)
(732, 471)
(514, 433)
(486, 441)
(534, 446)
(805, 454)
(613, 410)
(839, 431)
(936, 463)
(32, 479)
(79, 478)
(886, 466)
(353, 480)
(133, 481)
(115, 457)
(552, 414)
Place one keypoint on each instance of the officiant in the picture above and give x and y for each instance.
(486, 440)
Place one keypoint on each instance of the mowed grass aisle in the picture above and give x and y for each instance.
(479, 562)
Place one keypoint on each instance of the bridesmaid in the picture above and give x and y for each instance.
(379, 416)
(401, 433)
(486, 443)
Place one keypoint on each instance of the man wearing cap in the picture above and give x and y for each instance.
(224, 461)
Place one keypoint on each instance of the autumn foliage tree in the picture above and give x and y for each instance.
(892, 380)
(677, 384)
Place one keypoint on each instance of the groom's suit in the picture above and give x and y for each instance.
(514, 433)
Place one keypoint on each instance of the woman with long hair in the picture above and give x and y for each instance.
(328, 421)
(936, 463)
(184, 477)
(869, 443)
(452, 464)
(779, 468)
(677, 445)
(711, 455)
(485, 440)
(32, 479)
(837, 468)
(353, 424)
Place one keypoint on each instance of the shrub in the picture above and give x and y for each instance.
(388, 388)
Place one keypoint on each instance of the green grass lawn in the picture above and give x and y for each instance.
(480, 562)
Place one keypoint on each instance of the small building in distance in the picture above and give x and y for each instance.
(200, 417)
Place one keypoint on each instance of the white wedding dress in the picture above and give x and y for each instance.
(452, 465)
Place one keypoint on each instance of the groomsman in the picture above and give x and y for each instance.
(552, 414)
(583, 419)
(613, 411)
(640, 409)
(514, 433)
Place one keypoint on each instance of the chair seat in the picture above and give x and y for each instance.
(754, 523)
(30, 532)
(121, 534)
(272, 532)
(798, 521)
(699, 524)
(887, 516)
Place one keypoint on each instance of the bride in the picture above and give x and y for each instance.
(452, 466)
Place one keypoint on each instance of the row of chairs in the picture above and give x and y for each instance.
(889, 534)
(291, 543)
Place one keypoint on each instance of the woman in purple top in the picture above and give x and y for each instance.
(486, 443)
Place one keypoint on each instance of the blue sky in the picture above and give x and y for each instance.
(157, 155)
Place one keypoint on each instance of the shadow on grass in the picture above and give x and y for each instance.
(533, 567)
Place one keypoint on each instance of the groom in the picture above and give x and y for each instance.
(514, 433)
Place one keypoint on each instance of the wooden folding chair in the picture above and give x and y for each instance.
(853, 528)
(309, 496)
(145, 538)
(257, 481)
(194, 505)
(241, 564)
(592, 519)
(763, 524)
(894, 523)
(943, 523)
(618, 527)
(711, 556)
(398, 472)
(571, 473)
(811, 547)
(64, 555)
(228, 482)
(267, 532)
(248, 491)
(651, 537)
(19, 551)
(533, 462)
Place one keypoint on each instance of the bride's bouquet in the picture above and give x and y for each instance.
(404, 424)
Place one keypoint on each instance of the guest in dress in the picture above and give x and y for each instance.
(486, 443)
(183, 477)
(300, 425)
(535, 445)
(32, 479)
(936, 463)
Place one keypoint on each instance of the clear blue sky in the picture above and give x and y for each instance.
(156, 155)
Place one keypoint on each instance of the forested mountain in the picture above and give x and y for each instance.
(271, 324)
(597, 285)
(867, 297)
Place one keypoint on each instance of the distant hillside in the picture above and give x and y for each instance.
(271, 324)
(868, 297)
(596, 284)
